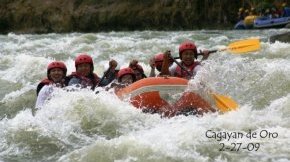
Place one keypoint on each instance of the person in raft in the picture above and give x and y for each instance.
(56, 73)
(138, 70)
(188, 55)
(111, 74)
(157, 62)
(84, 75)
(126, 76)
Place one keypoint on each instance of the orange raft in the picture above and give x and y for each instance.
(165, 95)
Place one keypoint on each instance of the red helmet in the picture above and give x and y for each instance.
(126, 71)
(56, 64)
(84, 58)
(187, 45)
(159, 57)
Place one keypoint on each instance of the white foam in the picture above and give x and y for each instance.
(83, 126)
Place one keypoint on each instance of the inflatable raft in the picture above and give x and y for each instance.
(254, 22)
(247, 23)
(240, 25)
(264, 22)
(165, 95)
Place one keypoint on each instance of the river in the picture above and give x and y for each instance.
(83, 126)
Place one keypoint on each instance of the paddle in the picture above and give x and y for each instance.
(241, 46)
(223, 103)
(238, 47)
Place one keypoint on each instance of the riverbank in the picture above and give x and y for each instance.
(63, 16)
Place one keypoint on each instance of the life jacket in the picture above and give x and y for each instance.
(44, 82)
(92, 80)
(183, 74)
(47, 81)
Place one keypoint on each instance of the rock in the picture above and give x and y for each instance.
(287, 26)
(45, 16)
(285, 37)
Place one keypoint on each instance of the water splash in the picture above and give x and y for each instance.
(82, 126)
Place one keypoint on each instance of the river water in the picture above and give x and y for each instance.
(82, 126)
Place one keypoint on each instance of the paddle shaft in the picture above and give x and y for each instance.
(211, 51)
(182, 67)
(238, 47)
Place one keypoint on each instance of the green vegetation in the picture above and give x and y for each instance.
(37, 16)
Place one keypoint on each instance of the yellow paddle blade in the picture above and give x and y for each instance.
(224, 103)
(244, 46)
